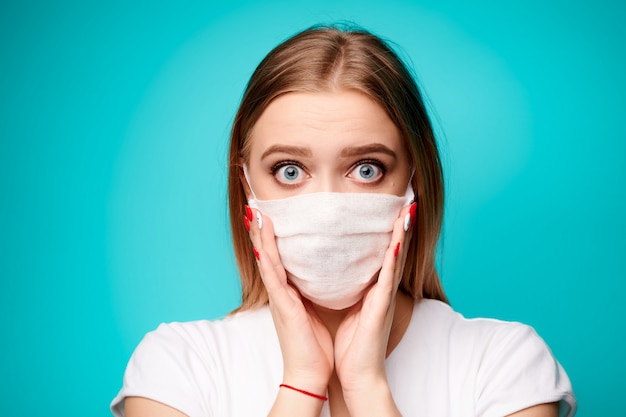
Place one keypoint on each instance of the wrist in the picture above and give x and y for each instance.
(372, 398)
(315, 384)
(291, 402)
(305, 392)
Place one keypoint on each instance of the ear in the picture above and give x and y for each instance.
(244, 181)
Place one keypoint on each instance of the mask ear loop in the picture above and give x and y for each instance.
(245, 174)
(410, 195)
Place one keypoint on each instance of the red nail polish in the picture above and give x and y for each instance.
(246, 223)
(413, 212)
(248, 213)
(396, 250)
(256, 253)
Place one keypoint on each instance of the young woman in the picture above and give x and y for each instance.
(336, 204)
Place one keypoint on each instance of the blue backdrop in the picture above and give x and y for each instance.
(114, 119)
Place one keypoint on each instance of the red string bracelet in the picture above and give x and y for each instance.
(310, 394)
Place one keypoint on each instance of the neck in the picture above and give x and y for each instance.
(331, 318)
(401, 318)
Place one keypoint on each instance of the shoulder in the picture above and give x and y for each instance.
(182, 364)
(203, 335)
(204, 340)
(509, 366)
(468, 343)
(444, 325)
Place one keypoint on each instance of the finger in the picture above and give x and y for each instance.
(274, 282)
(268, 260)
(268, 242)
(261, 231)
(409, 216)
(254, 226)
(380, 298)
(393, 262)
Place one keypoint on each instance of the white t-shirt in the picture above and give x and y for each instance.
(445, 365)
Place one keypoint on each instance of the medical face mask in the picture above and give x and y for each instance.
(332, 244)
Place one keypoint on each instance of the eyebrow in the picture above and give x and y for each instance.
(345, 153)
(293, 150)
(365, 149)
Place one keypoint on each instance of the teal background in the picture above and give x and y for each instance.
(114, 119)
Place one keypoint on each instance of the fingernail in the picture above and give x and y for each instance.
(248, 213)
(259, 220)
(413, 212)
(256, 254)
(407, 221)
(246, 223)
(396, 250)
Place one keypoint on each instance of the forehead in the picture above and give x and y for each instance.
(323, 120)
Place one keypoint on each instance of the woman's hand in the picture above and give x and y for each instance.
(362, 338)
(305, 342)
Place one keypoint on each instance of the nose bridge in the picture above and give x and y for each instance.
(328, 181)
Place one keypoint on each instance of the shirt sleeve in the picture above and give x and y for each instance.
(518, 371)
(166, 367)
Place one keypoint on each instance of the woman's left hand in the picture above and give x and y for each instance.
(362, 338)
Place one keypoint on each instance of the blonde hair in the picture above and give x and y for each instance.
(328, 59)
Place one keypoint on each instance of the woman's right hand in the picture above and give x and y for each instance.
(305, 342)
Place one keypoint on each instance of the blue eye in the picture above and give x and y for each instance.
(288, 174)
(367, 172)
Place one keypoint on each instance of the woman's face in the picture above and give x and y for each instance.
(333, 142)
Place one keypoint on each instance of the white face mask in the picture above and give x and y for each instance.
(332, 244)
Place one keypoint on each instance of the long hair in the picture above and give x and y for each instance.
(322, 59)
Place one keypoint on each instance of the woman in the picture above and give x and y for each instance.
(336, 204)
